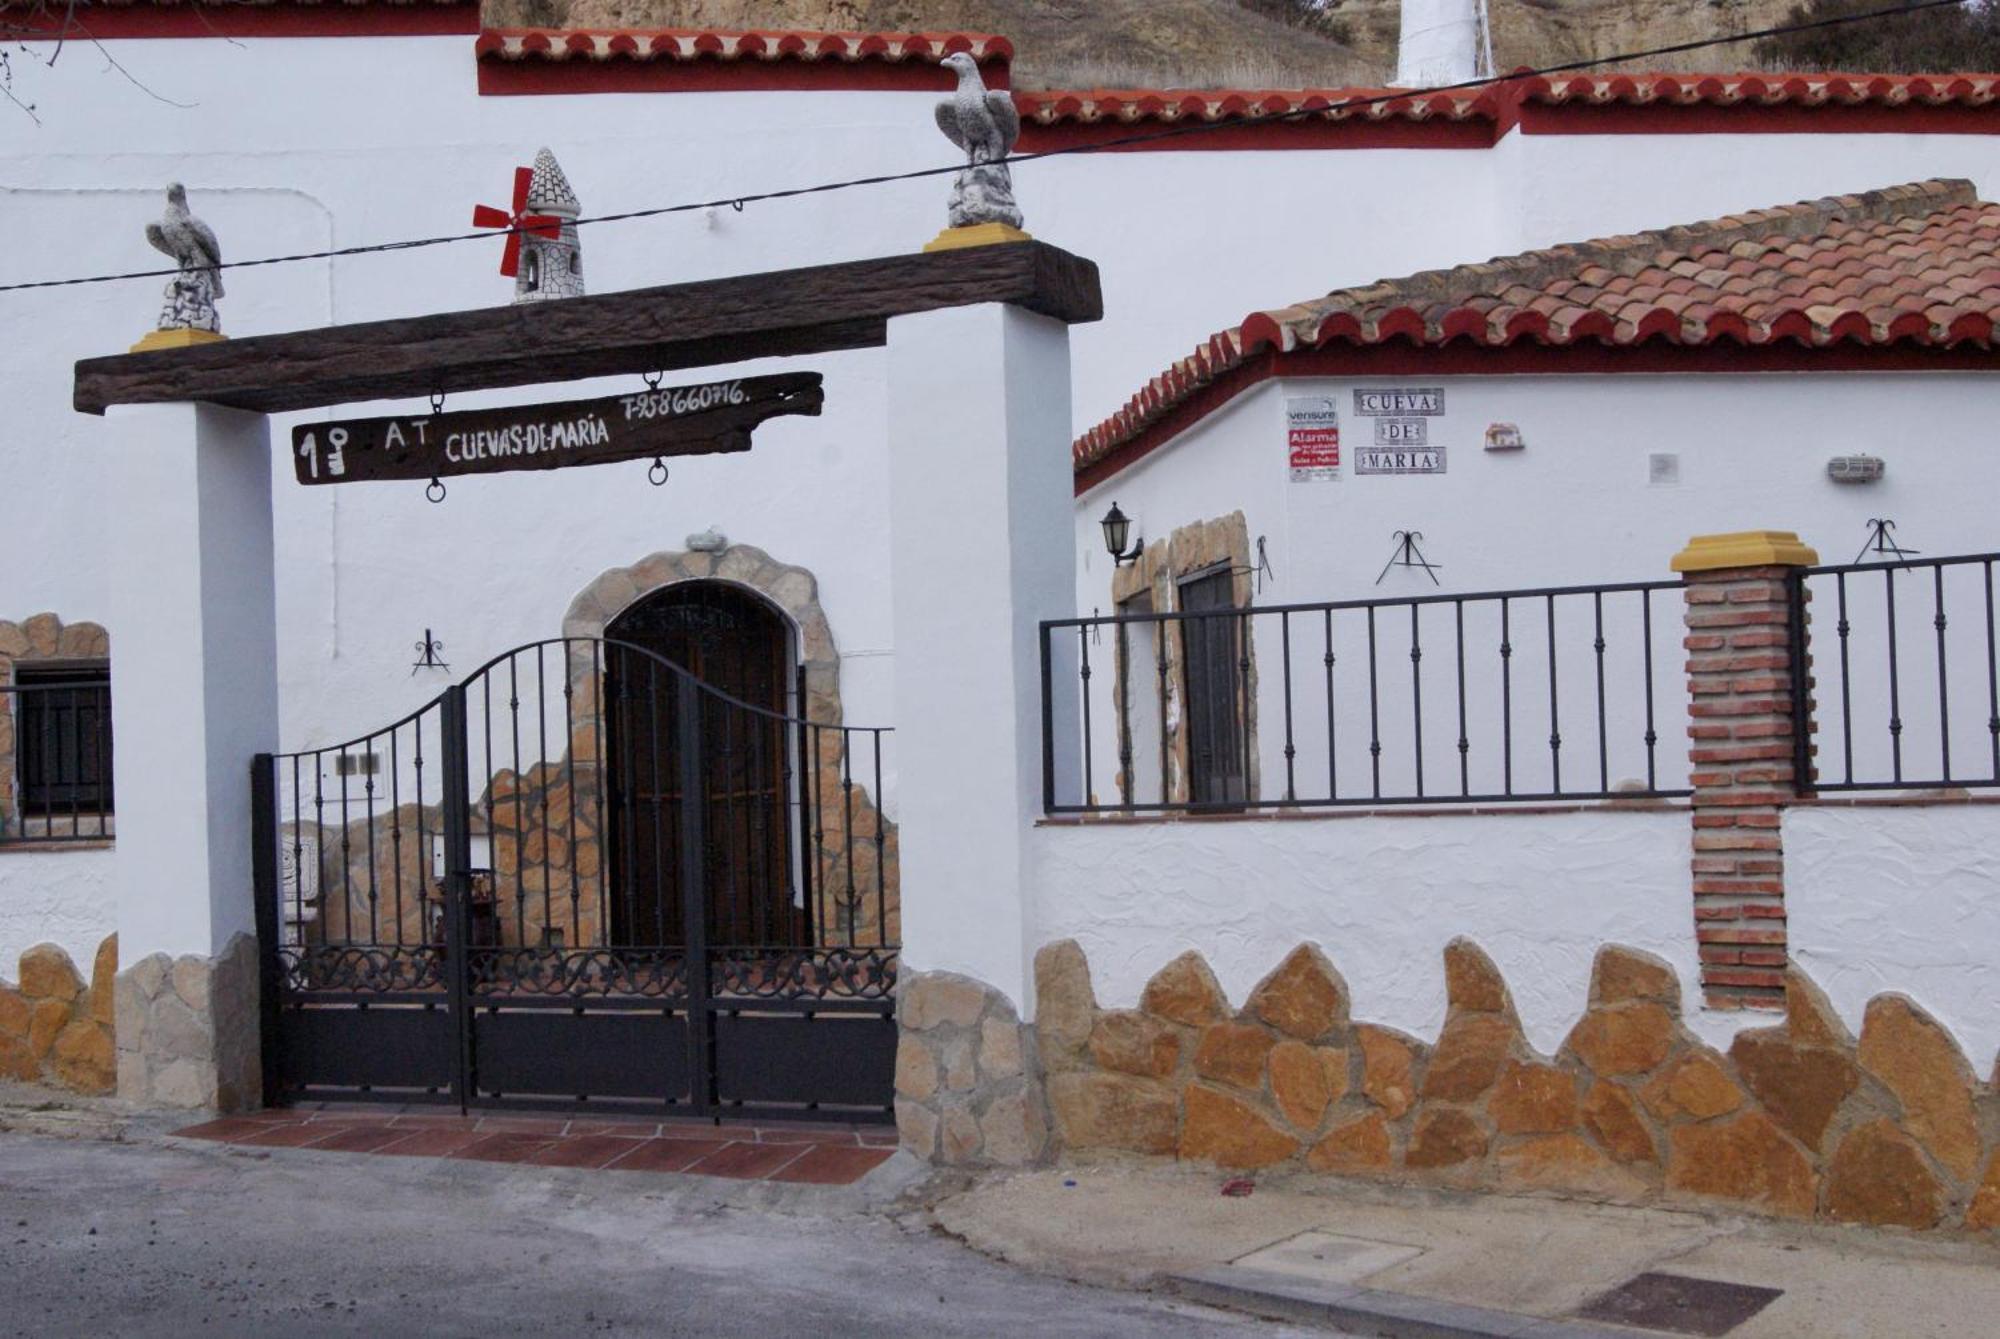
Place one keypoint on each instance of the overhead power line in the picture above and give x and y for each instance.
(738, 202)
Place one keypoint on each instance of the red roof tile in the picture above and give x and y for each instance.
(1907, 264)
(702, 44)
(1132, 106)
(1768, 90)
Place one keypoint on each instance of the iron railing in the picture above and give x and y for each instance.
(55, 762)
(1556, 693)
(1907, 696)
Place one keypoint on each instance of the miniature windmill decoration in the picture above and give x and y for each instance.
(542, 256)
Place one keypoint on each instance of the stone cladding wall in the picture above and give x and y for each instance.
(186, 1030)
(57, 1028)
(968, 1086)
(1798, 1120)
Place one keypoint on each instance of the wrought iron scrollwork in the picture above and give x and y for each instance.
(651, 973)
(803, 973)
(380, 968)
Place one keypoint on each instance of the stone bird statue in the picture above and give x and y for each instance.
(191, 294)
(985, 125)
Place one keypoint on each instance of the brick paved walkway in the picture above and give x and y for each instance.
(828, 1155)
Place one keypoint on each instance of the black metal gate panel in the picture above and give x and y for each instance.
(583, 878)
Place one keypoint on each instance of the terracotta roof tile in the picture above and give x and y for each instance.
(1909, 263)
(699, 44)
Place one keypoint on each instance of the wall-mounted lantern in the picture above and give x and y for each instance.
(1117, 530)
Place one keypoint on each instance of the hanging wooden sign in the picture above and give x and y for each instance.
(667, 421)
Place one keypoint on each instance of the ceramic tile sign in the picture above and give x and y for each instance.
(1312, 437)
(663, 421)
(1402, 430)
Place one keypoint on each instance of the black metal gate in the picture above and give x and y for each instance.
(583, 878)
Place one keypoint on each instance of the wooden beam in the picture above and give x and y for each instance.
(780, 314)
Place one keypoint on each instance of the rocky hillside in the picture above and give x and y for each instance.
(1205, 43)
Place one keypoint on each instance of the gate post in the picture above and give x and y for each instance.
(982, 548)
(1750, 746)
(194, 698)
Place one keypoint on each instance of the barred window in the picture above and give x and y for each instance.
(62, 746)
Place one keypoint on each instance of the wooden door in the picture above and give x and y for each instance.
(739, 648)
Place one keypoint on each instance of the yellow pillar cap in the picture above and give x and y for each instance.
(978, 234)
(176, 339)
(1744, 548)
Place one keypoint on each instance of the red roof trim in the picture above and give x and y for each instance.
(528, 61)
(1527, 358)
(280, 18)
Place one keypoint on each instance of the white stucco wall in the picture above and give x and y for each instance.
(1382, 895)
(300, 144)
(1905, 899)
(1577, 507)
(61, 897)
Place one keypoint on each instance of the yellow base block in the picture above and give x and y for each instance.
(979, 234)
(1744, 548)
(176, 339)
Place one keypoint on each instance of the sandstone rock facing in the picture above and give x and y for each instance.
(1747, 1159)
(1695, 1087)
(1065, 1004)
(1533, 1099)
(1304, 997)
(1471, 981)
(56, 1028)
(1917, 1059)
(1800, 1086)
(1302, 1081)
(1468, 1057)
(1360, 1145)
(1185, 992)
(1627, 976)
(1388, 1064)
(1624, 1038)
(1095, 1111)
(1134, 1043)
(1234, 1053)
(1221, 1128)
(1444, 1137)
(1614, 1118)
(1794, 1121)
(1878, 1175)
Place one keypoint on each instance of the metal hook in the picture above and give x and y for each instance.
(437, 402)
(434, 490)
(656, 473)
(652, 379)
(736, 205)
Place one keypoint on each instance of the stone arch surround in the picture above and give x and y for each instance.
(793, 591)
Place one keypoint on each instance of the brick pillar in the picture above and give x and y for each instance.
(1744, 750)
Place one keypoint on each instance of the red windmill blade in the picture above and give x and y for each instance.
(517, 222)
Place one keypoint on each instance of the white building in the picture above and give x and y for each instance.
(1636, 431)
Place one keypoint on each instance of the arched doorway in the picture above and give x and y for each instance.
(738, 645)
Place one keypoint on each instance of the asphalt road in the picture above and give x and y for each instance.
(147, 1239)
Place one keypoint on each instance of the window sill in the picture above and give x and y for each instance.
(42, 845)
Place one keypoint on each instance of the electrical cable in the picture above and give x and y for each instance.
(737, 202)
